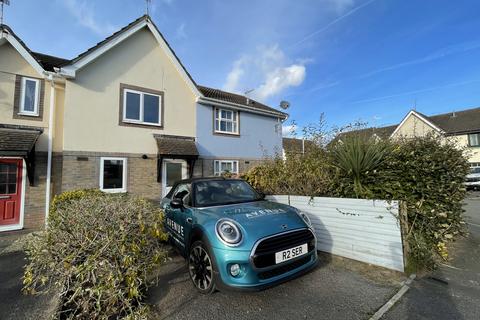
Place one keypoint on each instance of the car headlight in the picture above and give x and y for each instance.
(228, 232)
(305, 218)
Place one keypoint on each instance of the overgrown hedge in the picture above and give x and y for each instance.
(97, 253)
(427, 174)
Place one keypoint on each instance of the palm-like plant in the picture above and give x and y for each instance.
(359, 156)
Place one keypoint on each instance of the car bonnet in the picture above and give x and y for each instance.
(259, 218)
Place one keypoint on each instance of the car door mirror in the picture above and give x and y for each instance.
(176, 203)
(261, 195)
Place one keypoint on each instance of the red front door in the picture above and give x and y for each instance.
(10, 191)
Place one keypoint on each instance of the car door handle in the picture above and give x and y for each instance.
(4, 197)
(189, 220)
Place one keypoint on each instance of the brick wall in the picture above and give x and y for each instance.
(34, 207)
(82, 170)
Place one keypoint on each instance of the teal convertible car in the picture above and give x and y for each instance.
(233, 238)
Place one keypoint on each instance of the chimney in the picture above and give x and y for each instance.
(454, 114)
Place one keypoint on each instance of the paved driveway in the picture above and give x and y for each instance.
(452, 291)
(337, 289)
(13, 304)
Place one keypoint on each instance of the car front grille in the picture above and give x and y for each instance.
(264, 255)
(284, 268)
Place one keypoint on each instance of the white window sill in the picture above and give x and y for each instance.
(114, 190)
(143, 123)
(28, 114)
(226, 132)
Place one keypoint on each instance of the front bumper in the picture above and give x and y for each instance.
(253, 279)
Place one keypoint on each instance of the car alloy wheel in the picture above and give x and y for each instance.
(200, 268)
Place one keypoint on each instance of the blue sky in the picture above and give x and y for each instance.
(350, 59)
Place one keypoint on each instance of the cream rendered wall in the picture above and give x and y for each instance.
(58, 120)
(92, 99)
(473, 153)
(12, 63)
(414, 127)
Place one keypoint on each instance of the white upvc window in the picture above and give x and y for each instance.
(226, 121)
(474, 139)
(30, 96)
(224, 166)
(142, 107)
(113, 174)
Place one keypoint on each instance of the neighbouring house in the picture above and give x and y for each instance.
(296, 146)
(123, 116)
(461, 127)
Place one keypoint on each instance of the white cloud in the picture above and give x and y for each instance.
(84, 13)
(342, 5)
(181, 33)
(267, 71)
(288, 130)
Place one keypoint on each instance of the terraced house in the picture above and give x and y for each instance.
(124, 116)
(461, 127)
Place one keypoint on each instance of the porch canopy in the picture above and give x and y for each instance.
(19, 141)
(175, 147)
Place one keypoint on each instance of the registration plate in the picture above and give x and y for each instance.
(291, 253)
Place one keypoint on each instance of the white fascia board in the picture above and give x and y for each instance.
(219, 103)
(67, 72)
(416, 114)
(174, 59)
(70, 70)
(104, 48)
(23, 52)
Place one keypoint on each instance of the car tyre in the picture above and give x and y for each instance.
(201, 268)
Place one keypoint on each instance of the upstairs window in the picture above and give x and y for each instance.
(29, 97)
(225, 166)
(474, 140)
(226, 121)
(142, 107)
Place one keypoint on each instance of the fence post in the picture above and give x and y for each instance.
(403, 216)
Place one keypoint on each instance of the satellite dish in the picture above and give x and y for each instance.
(284, 105)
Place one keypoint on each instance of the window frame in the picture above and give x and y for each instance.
(235, 123)
(478, 136)
(141, 121)
(219, 173)
(36, 104)
(124, 175)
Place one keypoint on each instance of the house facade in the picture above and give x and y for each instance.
(124, 116)
(461, 127)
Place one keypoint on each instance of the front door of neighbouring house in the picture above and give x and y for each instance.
(10, 191)
(173, 171)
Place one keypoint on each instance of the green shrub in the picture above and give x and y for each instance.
(298, 174)
(427, 174)
(358, 158)
(97, 252)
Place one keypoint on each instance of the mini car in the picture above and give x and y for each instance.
(232, 238)
(472, 180)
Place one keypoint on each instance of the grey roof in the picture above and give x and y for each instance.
(294, 145)
(49, 62)
(452, 123)
(458, 122)
(176, 145)
(238, 99)
(17, 140)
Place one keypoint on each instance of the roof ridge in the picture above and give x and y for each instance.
(454, 111)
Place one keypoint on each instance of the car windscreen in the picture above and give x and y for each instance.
(220, 192)
(474, 170)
